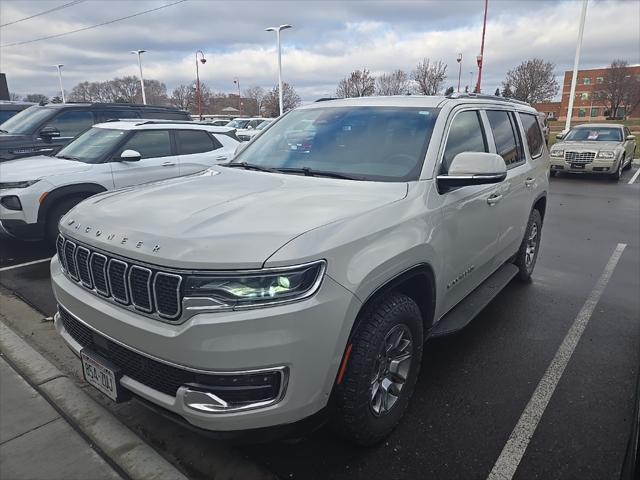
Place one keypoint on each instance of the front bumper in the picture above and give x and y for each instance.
(598, 165)
(305, 338)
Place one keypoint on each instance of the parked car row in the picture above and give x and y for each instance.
(296, 284)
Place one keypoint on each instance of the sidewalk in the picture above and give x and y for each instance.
(36, 442)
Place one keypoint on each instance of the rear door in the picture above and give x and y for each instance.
(198, 150)
(516, 190)
(158, 159)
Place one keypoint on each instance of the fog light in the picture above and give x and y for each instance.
(11, 202)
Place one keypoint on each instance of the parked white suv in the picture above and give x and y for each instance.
(35, 192)
(300, 281)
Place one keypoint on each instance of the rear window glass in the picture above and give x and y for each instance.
(194, 141)
(533, 134)
(506, 136)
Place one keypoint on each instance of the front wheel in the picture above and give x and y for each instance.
(618, 173)
(528, 253)
(56, 213)
(382, 370)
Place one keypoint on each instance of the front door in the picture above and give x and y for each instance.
(158, 160)
(70, 123)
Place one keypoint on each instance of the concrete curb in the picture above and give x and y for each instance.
(123, 447)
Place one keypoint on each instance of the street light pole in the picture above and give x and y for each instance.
(278, 30)
(459, 60)
(576, 61)
(59, 67)
(140, 52)
(236, 80)
(480, 57)
(198, 93)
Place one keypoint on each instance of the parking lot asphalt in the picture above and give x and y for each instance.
(474, 385)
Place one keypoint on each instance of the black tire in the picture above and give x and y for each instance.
(354, 403)
(526, 258)
(628, 165)
(54, 216)
(554, 173)
(618, 173)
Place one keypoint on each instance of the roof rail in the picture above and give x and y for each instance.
(480, 96)
(161, 121)
(326, 99)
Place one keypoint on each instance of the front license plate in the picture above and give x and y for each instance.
(578, 166)
(97, 372)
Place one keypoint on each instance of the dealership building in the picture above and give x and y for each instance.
(588, 104)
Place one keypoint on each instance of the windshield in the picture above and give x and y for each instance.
(595, 134)
(237, 123)
(370, 143)
(263, 125)
(92, 145)
(28, 120)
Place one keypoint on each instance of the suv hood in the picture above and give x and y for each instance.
(34, 168)
(223, 218)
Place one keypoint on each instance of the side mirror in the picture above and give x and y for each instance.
(250, 127)
(559, 136)
(631, 137)
(473, 168)
(130, 156)
(49, 133)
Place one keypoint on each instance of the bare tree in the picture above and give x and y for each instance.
(394, 83)
(532, 81)
(290, 100)
(14, 96)
(35, 97)
(359, 83)
(182, 97)
(258, 94)
(506, 91)
(620, 89)
(156, 93)
(429, 77)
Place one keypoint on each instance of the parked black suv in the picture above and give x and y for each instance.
(8, 108)
(45, 129)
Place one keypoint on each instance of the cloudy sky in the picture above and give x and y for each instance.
(330, 38)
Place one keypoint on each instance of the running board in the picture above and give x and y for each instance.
(462, 314)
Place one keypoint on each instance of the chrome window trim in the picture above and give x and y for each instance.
(85, 249)
(124, 280)
(104, 272)
(144, 269)
(155, 295)
(283, 370)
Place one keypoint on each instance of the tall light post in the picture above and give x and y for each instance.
(198, 92)
(459, 60)
(140, 52)
(59, 67)
(576, 61)
(479, 58)
(278, 30)
(236, 80)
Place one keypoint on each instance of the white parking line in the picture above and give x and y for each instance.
(11, 267)
(512, 453)
(635, 176)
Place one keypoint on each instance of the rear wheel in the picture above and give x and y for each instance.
(527, 255)
(56, 213)
(382, 370)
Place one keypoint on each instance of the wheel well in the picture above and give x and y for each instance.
(541, 206)
(81, 191)
(417, 283)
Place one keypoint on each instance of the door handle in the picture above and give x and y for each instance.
(493, 199)
(529, 182)
(168, 164)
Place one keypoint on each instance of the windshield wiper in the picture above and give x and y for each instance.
(250, 166)
(309, 172)
(3, 131)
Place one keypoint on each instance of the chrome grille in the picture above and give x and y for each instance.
(579, 157)
(145, 289)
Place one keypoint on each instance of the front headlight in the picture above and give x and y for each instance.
(23, 184)
(557, 153)
(253, 289)
(606, 154)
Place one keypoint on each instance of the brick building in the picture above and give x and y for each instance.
(587, 104)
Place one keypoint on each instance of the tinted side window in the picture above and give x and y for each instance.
(506, 136)
(533, 133)
(163, 114)
(465, 135)
(71, 122)
(193, 141)
(150, 144)
(105, 115)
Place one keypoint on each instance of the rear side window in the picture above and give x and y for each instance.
(195, 141)
(465, 135)
(506, 136)
(71, 122)
(150, 144)
(533, 134)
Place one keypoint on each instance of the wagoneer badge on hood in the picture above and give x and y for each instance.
(110, 237)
